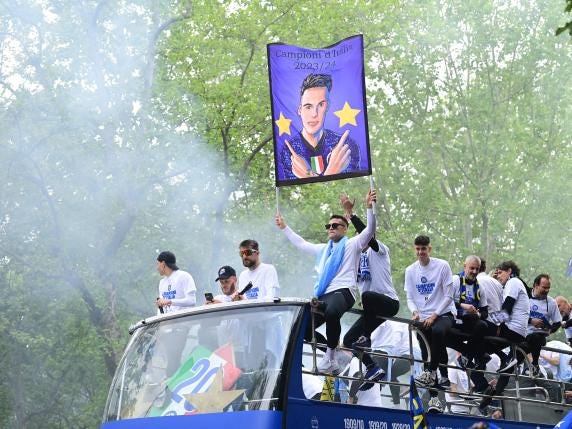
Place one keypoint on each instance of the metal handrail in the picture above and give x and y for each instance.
(413, 328)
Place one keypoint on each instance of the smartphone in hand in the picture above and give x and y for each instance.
(209, 297)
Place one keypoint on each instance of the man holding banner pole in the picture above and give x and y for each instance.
(336, 264)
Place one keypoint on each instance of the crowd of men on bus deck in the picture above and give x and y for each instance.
(456, 311)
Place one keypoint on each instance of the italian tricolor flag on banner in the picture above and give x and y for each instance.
(317, 164)
(195, 375)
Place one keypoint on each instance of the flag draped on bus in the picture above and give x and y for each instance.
(565, 423)
(416, 408)
(319, 112)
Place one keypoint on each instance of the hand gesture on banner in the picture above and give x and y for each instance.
(339, 158)
(300, 167)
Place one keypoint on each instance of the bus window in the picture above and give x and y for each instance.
(206, 362)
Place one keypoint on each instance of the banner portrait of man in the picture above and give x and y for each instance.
(319, 112)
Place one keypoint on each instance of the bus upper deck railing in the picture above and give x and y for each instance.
(472, 397)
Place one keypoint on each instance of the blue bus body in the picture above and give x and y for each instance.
(287, 405)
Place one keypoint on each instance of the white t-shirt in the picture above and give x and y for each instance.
(180, 288)
(312, 385)
(518, 320)
(223, 298)
(264, 280)
(391, 337)
(470, 297)
(562, 370)
(379, 264)
(429, 288)
(547, 311)
(458, 377)
(493, 290)
(347, 273)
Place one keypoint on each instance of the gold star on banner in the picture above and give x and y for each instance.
(283, 125)
(214, 399)
(347, 115)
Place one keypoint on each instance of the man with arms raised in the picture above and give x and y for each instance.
(336, 263)
(429, 290)
(378, 296)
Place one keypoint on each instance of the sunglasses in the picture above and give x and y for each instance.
(247, 252)
(333, 225)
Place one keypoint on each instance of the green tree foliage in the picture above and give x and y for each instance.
(134, 127)
(568, 25)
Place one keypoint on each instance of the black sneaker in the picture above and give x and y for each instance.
(463, 362)
(362, 343)
(444, 383)
(373, 373)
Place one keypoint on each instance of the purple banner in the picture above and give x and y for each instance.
(319, 112)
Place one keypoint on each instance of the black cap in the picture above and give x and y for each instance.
(225, 272)
(169, 259)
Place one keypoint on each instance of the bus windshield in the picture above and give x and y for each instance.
(205, 362)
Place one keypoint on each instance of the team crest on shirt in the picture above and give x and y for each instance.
(423, 279)
(535, 307)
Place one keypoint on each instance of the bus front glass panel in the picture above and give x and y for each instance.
(220, 361)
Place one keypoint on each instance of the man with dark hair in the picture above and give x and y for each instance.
(544, 320)
(317, 151)
(512, 322)
(429, 290)
(378, 296)
(263, 277)
(336, 263)
(177, 288)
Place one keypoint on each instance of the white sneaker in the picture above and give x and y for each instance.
(328, 366)
(508, 366)
(425, 379)
(434, 405)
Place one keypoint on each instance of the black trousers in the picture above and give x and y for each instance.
(336, 304)
(399, 367)
(474, 348)
(436, 337)
(374, 305)
(534, 342)
(479, 379)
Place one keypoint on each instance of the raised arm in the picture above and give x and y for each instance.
(367, 234)
(295, 239)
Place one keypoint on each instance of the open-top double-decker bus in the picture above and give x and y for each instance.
(243, 364)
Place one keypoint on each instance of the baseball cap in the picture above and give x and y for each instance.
(169, 259)
(225, 272)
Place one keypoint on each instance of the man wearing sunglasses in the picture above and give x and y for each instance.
(263, 276)
(336, 263)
